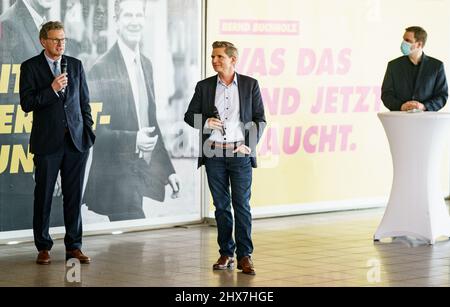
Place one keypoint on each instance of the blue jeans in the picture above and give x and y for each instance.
(236, 171)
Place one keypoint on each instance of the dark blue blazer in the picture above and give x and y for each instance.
(431, 85)
(251, 111)
(52, 113)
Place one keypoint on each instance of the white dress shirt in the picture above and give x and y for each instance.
(228, 104)
(129, 57)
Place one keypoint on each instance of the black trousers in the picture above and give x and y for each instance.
(72, 164)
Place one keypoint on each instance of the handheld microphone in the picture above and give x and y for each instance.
(63, 68)
(216, 115)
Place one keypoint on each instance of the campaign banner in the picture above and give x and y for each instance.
(320, 65)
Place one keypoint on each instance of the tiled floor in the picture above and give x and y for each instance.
(334, 249)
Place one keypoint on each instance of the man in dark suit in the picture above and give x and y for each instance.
(60, 138)
(19, 41)
(229, 113)
(414, 81)
(130, 160)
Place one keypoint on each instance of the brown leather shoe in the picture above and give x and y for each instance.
(76, 253)
(224, 263)
(43, 257)
(246, 265)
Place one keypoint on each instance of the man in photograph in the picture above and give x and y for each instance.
(130, 160)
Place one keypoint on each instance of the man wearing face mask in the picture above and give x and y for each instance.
(414, 81)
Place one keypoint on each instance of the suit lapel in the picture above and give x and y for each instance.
(148, 78)
(211, 99)
(419, 74)
(116, 55)
(48, 72)
(241, 98)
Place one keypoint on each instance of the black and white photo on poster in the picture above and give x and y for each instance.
(142, 59)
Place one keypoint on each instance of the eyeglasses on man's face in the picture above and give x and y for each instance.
(57, 41)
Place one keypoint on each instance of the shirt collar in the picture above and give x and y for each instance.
(129, 55)
(235, 80)
(38, 19)
(51, 61)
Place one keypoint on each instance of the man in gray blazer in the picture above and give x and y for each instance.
(414, 81)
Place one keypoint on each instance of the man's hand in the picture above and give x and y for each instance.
(243, 150)
(215, 124)
(175, 184)
(145, 142)
(60, 82)
(411, 105)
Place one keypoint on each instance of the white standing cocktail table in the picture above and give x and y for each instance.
(416, 205)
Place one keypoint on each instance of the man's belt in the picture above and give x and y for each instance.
(217, 145)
